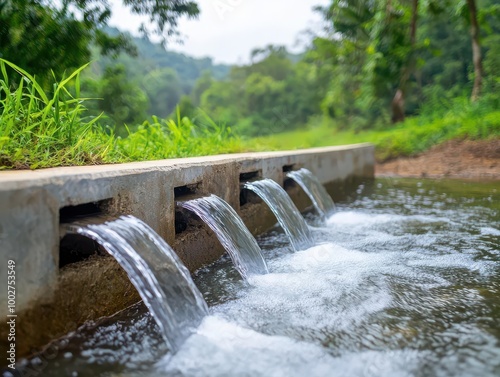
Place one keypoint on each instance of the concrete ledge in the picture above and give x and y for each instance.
(31, 203)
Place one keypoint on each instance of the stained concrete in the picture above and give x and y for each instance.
(30, 202)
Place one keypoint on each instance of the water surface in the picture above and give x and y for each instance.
(404, 280)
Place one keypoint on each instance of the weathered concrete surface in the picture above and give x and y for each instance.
(30, 204)
(86, 291)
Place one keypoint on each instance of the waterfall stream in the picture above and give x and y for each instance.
(315, 190)
(163, 282)
(285, 211)
(231, 232)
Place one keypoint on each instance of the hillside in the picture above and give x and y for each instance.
(153, 56)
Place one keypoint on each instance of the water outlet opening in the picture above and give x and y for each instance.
(251, 175)
(75, 248)
(289, 184)
(184, 219)
(247, 196)
(71, 213)
(184, 192)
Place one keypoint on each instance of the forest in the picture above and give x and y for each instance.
(404, 74)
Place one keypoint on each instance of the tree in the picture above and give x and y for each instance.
(122, 101)
(201, 86)
(39, 36)
(164, 91)
(476, 50)
(398, 102)
(41, 40)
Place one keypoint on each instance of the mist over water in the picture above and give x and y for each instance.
(404, 280)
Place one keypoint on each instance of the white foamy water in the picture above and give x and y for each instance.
(490, 231)
(221, 348)
(323, 286)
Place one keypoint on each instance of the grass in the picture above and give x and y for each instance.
(41, 129)
(181, 138)
(462, 120)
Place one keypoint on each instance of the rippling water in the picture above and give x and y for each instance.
(404, 281)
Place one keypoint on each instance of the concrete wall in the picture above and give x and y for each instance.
(30, 203)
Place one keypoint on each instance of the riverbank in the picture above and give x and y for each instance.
(453, 159)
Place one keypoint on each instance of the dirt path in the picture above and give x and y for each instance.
(453, 159)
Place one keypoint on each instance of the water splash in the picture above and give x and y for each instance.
(231, 232)
(285, 211)
(315, 190)
(157, 273)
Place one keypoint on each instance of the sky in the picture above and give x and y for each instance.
(228, 30)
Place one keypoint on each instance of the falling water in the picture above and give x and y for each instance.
(231, 232)
(315, 190)
(159, 276)
(285, 211)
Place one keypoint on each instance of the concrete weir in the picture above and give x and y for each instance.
(61, 282)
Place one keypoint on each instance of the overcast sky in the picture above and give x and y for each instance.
(227, 30)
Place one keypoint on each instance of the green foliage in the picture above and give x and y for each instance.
(41, 129)
(151, 56)
(44, 36)
(459, 119)
(186, 107)
(201, 86)
(40, 39)
(182, 138)
(352, 74)
(122, 100)
(163, 89)
(271, 95)
(462, 120)
(492, 68)
(163, 76)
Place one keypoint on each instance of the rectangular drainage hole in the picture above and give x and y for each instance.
(71, 213)
(248, 176)
(247, 196)
(74, 248)
(183, 192)
(288, 183)
(183, 218)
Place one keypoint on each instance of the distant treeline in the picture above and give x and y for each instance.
(379, 62)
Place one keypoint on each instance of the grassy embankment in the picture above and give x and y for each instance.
(38, 130)
(459, 120)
